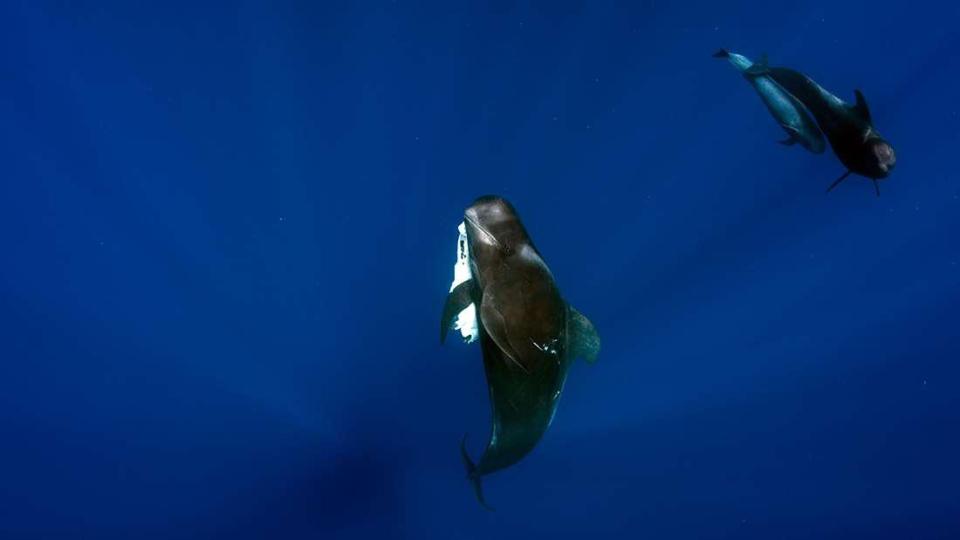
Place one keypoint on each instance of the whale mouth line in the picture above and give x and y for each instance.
(483, 230)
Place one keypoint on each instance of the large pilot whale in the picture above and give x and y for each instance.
(504, 295)
(785, 109)
(849, 128)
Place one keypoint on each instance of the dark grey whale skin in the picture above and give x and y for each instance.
(849, 128)
(529, 335)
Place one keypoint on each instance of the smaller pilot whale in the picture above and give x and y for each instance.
(504, 295)
(849, 128)
(785, 109)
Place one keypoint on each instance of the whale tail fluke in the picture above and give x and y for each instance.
(722, 53)
(472, 474)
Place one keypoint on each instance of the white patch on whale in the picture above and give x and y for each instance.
(466, 320)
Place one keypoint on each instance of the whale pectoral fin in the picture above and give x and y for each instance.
(837, 181)
(861, 107)
(458, 299)
(793, 135)
(584, 341)
(496, 327)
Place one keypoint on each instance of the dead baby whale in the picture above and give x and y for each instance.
(504, 295)
(849, 128)
(785, 109)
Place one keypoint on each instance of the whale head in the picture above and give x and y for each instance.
(493, 227)
(879, 158)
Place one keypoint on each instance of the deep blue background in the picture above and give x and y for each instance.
(226, 234)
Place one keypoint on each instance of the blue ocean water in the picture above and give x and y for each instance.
(227, 232)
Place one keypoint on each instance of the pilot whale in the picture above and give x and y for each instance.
(504, 295)
(849, 128)
(785, 109)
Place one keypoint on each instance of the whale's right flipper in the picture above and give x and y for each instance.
(472, 474)
(584, 341)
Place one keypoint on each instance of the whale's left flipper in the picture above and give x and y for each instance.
(472, 474)
(837, 181)
(793, 133)
(584, 341)
(458, 300)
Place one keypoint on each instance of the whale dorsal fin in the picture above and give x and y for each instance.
(759, 68)
(584, 341)
(861, 107)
